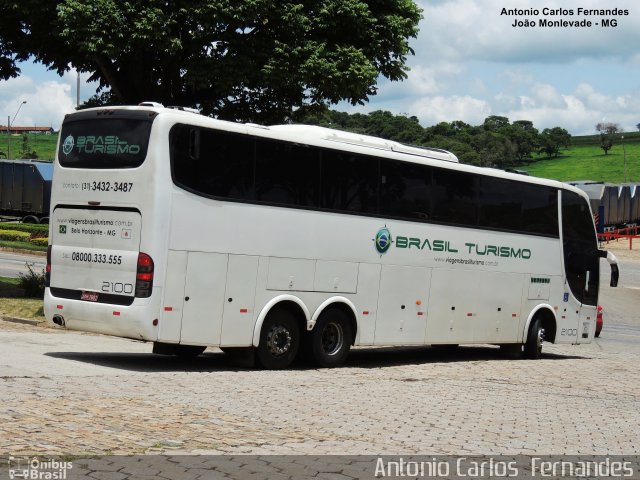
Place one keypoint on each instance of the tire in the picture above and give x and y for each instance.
(330, 340)
(188, 351)
(279, 340)
(535, 338)
(511, 350)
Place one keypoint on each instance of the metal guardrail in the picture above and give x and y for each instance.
(628, 232)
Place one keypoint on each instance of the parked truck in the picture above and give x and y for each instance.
(25, 190)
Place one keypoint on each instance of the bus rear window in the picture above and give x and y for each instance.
(119, 140)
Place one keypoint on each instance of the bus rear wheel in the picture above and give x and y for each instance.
(330, 340)
(279, 340)
(535, 338)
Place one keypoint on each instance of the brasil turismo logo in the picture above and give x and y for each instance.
(67, 146)
(383, 240)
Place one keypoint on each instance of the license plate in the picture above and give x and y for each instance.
(89, 296)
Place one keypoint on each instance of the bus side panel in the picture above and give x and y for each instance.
(367, 300)
(401, 318)
(173, 298)
(497, 314)
(203, 298)
(474, 307)
(239, 313)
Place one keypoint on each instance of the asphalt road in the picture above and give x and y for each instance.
(13, 264)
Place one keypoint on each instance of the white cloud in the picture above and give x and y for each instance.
(49, 96)
(578, 111)
(546, 95)
(422, 80)
(47, 102)
(432, 110)
(476, 30)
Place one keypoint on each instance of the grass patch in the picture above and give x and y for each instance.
(43, 145)
(23, 246)
(13, 303)
(588, 162)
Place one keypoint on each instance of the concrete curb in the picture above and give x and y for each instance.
(23, 251)
(24, 321)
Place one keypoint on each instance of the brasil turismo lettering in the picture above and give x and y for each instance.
(469, 247)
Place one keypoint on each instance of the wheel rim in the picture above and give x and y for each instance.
(278, 340)
(540, 337)
(332, 338)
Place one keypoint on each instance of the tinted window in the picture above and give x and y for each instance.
(349, 182)
(119, 140)
(241, 167)
(500, 204)
(580, 246)
(286, 174)
(539, 209)
(455, 197)
(212, 162)
(405, 190)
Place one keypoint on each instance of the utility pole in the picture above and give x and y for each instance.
(9, 129)
(624, 155)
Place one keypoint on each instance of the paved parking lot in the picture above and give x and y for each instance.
(73, 393)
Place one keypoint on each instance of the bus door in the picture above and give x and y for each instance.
(581, 265)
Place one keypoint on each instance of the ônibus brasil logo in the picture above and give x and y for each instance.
(383, 240)
(67, 146)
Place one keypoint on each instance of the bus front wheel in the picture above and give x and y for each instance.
(279, 340)
(330, 340)
(535, 338)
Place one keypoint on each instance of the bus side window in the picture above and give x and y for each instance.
(349, 182)
(194, 144)
(455, 197)
(286, 174)
(500, 204)
(539, 210)
(405, 190)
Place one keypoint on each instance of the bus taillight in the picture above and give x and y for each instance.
(144, 276)
(47, 272)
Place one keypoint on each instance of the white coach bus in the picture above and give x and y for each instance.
(178, 229)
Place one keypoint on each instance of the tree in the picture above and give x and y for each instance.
(493, 149)
(552, 140)
(607, 131)
(638, 126)
(26, 151)
(253, 60)
(524, 136)
(495, 122)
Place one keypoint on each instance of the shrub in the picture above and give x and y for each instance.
(14, 235)
(37, 230)
(32, 283)
(42, 241)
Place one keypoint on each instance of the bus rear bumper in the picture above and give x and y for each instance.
(134, 321)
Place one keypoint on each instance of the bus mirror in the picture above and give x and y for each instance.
(615, 274)
(613, 261)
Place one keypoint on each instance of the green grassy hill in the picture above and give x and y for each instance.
(585, 160)
(43, 145)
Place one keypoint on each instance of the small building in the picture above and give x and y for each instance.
(14, 130)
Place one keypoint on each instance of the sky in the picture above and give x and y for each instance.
(469, 63)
